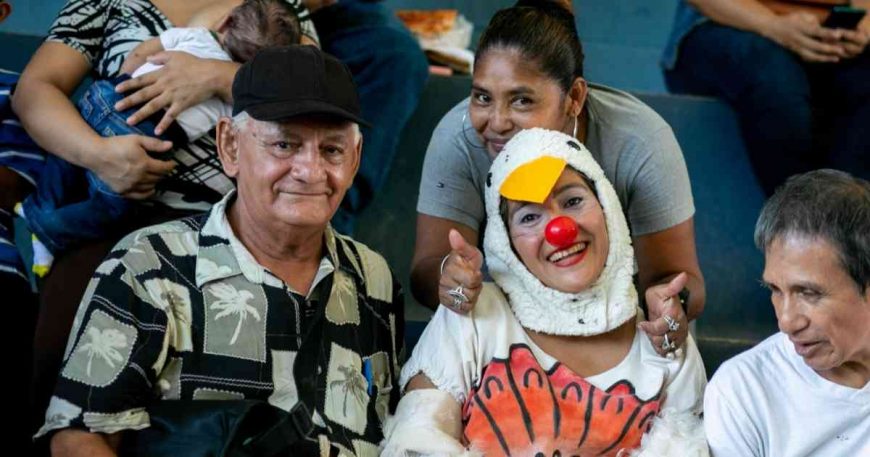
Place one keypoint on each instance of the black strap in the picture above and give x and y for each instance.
(292, 428)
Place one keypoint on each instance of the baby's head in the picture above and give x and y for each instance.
(258, 24)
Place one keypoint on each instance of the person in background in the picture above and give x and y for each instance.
(389, 69)
(18, 150)
(71, 205)
(805, 390)
(801, 90)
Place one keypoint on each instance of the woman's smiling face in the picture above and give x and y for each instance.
(577, 265)
(510, 94)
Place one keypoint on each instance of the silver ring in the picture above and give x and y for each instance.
(457, 304)
(458, 295)
(668, 345)
(673, 325)
(443, 261)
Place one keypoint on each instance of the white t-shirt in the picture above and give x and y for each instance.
(197, 120)
(768, 402)
(514, 394)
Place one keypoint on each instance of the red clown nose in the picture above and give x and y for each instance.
(561, 231)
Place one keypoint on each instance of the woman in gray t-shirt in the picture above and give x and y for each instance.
(528, 73)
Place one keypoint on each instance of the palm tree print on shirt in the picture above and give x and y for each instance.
(232, 301)
(104, 344)
(353, 383)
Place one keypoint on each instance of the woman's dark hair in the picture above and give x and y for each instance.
(543, 31)
(258, 24)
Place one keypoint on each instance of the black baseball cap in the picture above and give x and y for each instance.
(288, 81)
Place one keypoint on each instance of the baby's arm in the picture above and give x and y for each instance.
(137, 56)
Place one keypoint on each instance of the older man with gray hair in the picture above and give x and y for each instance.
(257, 299)
(806, 390)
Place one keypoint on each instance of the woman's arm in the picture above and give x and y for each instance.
(799, 32)
(463, 266)
(42, 103)
(667, 263)
(663, 255)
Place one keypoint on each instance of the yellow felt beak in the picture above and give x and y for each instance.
(533, 181)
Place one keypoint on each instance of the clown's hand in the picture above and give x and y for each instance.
(461, 279)
(667, 324)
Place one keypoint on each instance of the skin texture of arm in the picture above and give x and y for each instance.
(79, 443)
(667, 262)
(42, 103)
(431, 245)
(661, 256)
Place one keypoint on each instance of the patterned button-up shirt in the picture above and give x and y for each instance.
(183, 311)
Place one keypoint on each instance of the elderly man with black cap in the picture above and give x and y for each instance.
(258, 298)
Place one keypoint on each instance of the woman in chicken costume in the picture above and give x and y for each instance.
(550, 361)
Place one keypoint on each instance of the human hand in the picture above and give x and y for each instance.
(855, 41)
(803, 34)
(666, 318)
(460, 273)
(128, 169)
(183, 81)
(138, 55)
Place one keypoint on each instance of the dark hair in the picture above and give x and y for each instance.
(258, 24)
(542, 31)
(826, 204)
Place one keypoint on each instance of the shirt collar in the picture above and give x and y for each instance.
(221, 254)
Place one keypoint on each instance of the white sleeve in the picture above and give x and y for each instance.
(170, 38)
(730, 430)
(678, 429)
(445, 353)
(427, 422)
(687, 380)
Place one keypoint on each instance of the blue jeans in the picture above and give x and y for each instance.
(71, 205)
(795, 116)
(389, 70)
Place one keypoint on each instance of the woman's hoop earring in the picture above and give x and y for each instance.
(575, 127)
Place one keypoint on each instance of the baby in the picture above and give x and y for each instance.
(59, 213)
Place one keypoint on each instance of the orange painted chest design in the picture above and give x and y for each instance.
(520, 409)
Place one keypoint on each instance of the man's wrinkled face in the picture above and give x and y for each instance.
(818, 305)
(294, 172)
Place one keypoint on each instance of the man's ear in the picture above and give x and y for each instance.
(5, 10)
(577, 96)
(228, 146)
(358, 154)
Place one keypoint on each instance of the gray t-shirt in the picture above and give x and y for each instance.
(632, 143)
